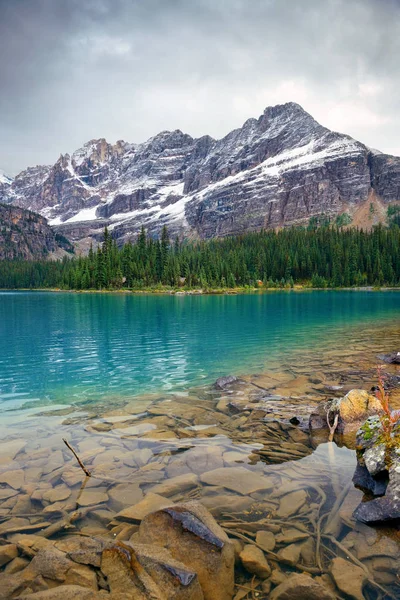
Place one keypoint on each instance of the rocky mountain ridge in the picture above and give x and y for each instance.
(27, 235)
(277, 170)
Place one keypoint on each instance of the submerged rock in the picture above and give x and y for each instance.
(301, 587)
(254, 561)
(391, 358)
(223, 382)
(349, 578)
(194, 538)
(144, 572)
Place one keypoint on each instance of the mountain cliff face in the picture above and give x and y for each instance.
(279, 169)
(27, 235)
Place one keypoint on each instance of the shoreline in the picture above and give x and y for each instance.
(207, 292)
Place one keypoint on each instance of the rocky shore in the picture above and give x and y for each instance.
(221, 493)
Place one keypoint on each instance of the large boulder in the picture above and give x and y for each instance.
(378, 471)
(194, 538)
(351, 411)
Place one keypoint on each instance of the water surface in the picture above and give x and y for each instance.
(63, 347)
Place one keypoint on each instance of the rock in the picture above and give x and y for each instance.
(352, 411)
(291, 503)
(391, 358)
(300, 587)
(83, 576)
(150, 503)
(238, 479)
(16, 565)
(348, 577)
(277, 577)
(266, 540)
(307, 552)
(254, 561)
(14, 479)
(9, 450)
(291, 535)
(290, 554)
(124, 494)
(89, 497)
(83, 550)
(383, 464)
(384, 546)
(56, 494)
(6, 493)
(224, 382)
(226, 503)
(126, 576)
(204, 459)
(176, 485)
(173, 577)
(363, 480)
(51, 563)
(65, 592)
(193, 537)
(7, 553)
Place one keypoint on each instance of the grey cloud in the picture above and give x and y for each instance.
(72, 70)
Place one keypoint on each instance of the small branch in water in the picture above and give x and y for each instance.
(82, 466)
(332, 428)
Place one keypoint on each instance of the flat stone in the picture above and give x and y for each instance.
(291, 535)
(300, 587)
(266, 540)
(385, 546)
(6, 493)
(14, 479)
(51, 563)
(254, 561)
(124, 494)
(150, 503)
(238, 479)
(7, 553)
(203, 459)
(10, 449)
(16, 565)
(82, 550)
(290, 554)
(349, 578)
(82, 575)
(291, 503)
(92, 496)
(175, 485)
(226, 503)
(56, 494)
(66, 592)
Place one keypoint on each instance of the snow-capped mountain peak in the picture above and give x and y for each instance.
(280, 168)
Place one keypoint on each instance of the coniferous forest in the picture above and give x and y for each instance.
(326, 256)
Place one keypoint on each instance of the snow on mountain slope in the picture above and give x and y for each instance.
(281, 168)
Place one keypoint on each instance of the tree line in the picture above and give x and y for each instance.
(326, 256)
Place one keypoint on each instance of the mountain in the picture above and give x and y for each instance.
(24, 234)
(279, 169)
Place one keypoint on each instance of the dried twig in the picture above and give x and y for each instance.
(82, 466)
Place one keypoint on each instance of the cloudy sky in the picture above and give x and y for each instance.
(73, 70)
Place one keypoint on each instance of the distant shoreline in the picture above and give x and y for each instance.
(206, 292)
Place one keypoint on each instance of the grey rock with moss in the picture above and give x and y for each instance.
(378, 471)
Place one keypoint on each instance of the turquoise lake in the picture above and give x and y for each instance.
(60, 348)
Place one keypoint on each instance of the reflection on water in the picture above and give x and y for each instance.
(59, 347)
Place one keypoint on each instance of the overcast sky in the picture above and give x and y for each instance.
(73, 70)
